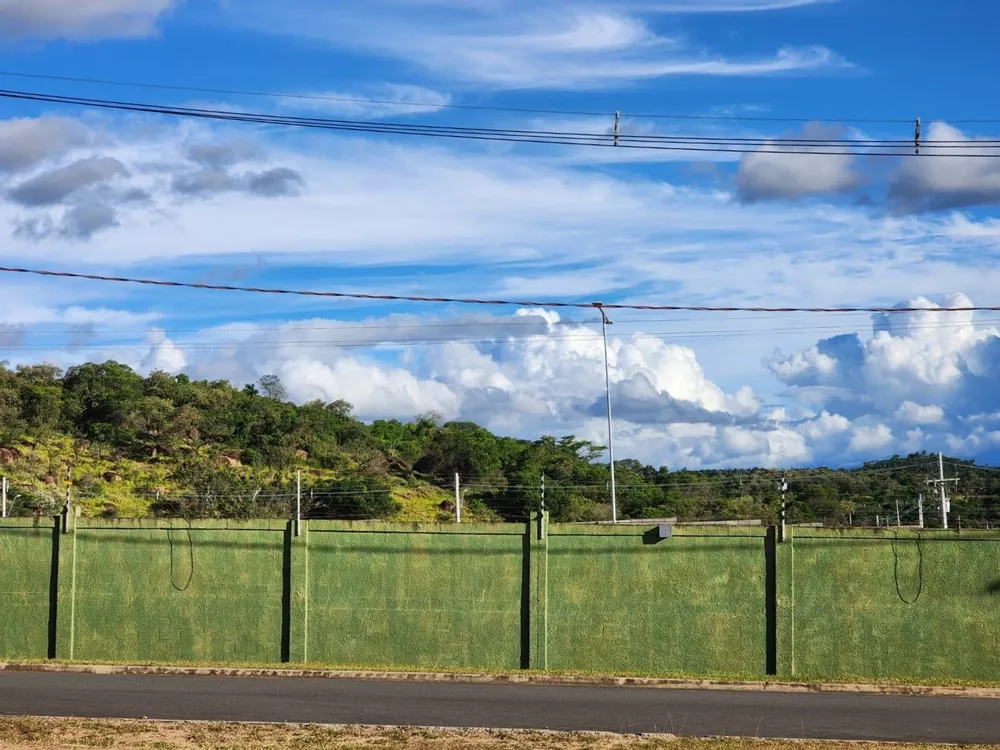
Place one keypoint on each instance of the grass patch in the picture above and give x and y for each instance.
(17, 733)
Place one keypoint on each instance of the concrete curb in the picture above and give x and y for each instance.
(662, 683)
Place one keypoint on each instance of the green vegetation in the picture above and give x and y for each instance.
(169, 446)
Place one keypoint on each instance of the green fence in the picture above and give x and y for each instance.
(707, 601)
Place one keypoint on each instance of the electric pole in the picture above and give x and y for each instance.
(940, 483)
(605, 322)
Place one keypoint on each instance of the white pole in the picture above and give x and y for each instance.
(543, 493)
(898, 524)
(605, 322)
(944, 498)
(298, 502)
(3, 497)
(458, 499)
(920, 510)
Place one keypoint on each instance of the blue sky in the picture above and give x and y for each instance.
(135, 194)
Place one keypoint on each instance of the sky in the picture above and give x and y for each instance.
(99, 191)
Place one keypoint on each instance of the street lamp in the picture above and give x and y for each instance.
(605, 322)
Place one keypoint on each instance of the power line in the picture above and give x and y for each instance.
(480, 301)
(448, 105)
(947, 149)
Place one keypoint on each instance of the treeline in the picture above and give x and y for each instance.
(232, 450)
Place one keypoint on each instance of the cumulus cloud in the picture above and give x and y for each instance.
(273, 183)
(73, 198)
(204, 182)
(768, 175)
(943, 182)
(55, 186)
(80, 221)
(916, 376)
(80, 19)
(27, 142)
(868, 439)
(163, 354)
(223, 154)
(912, 413)
(83, 221)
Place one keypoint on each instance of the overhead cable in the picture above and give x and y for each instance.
(481, 301)
(800, 146)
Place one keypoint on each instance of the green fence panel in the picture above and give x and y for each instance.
(159, 591)
(416, 596)
(26, 599)
(885, 605)
(621, 600)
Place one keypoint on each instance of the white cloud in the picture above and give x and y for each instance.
(80, 19)
(766, 174)
(918, 374)
(163, 353)
(27, 142)
(532, 45)
(824, 426)
(381, 101)
(869, 439)
(913, 413)
(946, 182)
(373, 390)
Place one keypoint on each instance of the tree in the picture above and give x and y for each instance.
(11, 424)
(98, 400)
(40, 408)
(352, 499)
(272, 387)
(463, 448)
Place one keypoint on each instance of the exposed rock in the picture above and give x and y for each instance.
(110, 476)
(232, 463)
(9, 455)
(302, 455)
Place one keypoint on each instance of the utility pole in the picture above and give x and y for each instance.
(605, 322)
(458, 499)
(939, 483)
(543, 493)
(898, 524)
(3, 497)
(920, 510)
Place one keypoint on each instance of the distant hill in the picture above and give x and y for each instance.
(167, 445)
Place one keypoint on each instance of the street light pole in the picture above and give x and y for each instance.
(605, 322)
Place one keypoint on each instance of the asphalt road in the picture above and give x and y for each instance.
(687, 712)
